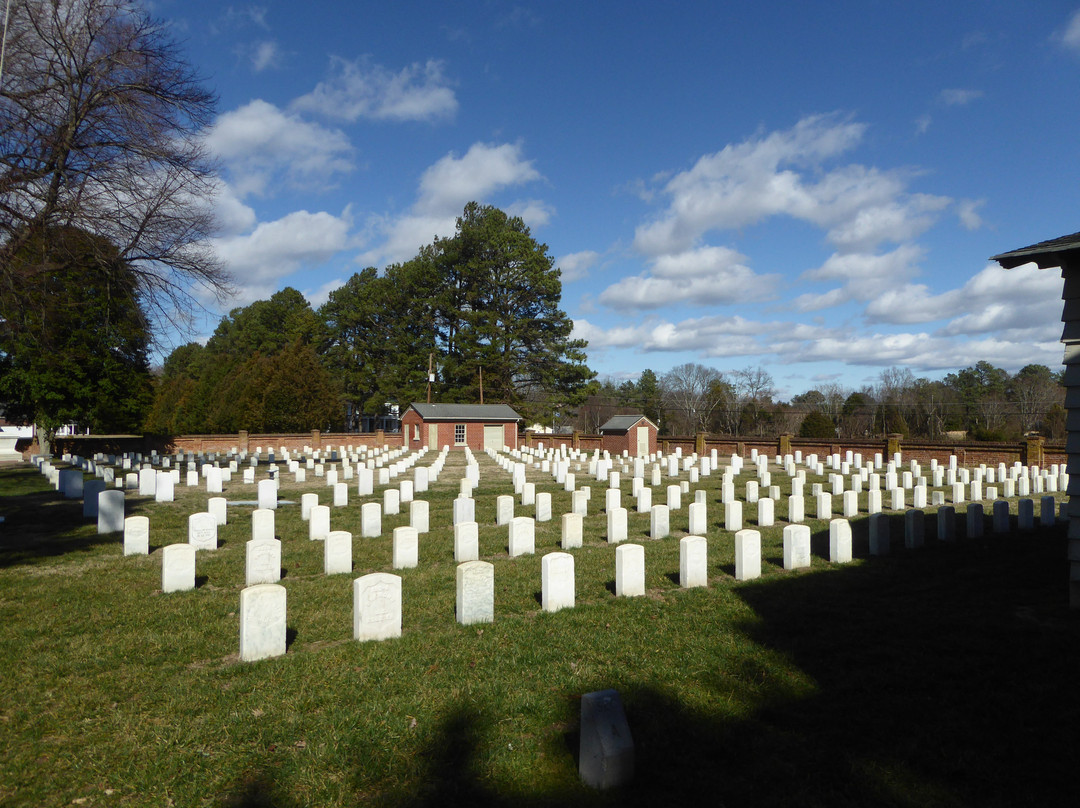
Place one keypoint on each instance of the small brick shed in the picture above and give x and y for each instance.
(478, 426)
(635, 434)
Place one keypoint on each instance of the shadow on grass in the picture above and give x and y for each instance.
(42, 524)
(941, 677)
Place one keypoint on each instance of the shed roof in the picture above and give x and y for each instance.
(621, 423)
(1046, 254)
(465, 412)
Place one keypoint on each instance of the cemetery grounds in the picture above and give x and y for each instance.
(945, 675)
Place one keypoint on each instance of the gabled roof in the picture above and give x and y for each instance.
(465, 412)
(621, 423)
(1046, 254)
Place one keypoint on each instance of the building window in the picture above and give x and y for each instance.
(416, 432)
(459, 434)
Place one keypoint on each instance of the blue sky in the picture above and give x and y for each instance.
(810, 188)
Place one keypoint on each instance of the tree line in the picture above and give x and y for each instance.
(479, 310)
(980, 402)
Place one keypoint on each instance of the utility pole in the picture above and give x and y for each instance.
(430, 377)
(481, 384)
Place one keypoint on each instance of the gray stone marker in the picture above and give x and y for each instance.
(136, 535)
(616, 525)
(879, 534)
(307, 502)
(202, 531)
(165, 488)
(466, 542)
(262, 524)
(521, 536)
(377, 606)
(262, 561)
(91, 490)
(1001, 516)
(693, 562)
(147, 483)
(914, 529)
(659, 522)
(391, 502)
(975, 520)
(319, 522)
(839, 541)
(177, 568)
(796, 547)
(1025, 514)
(572, 530)
(475, 592)
(629, 570)
(543, 506)
(733, 516)
(557, 582)
(418, 515)
(606, 749)
(465, 509)
(337, 552)
(406, 547)
(504, 509)
(747, 555)
(1047, 511)
(796, 508)
(110, 511)
(262, 622)
(946, 523)
(765, 512)
(219, 508)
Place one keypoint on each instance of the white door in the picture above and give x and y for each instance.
(643, 441)
(433, 436)
(494, 437)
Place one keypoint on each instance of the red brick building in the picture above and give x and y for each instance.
(478, 426)
(635, 434)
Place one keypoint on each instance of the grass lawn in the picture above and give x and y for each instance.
(944, 676)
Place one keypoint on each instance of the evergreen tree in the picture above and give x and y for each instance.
(74, 349)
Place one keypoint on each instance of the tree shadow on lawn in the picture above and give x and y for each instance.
(944, 676)
(43, 524)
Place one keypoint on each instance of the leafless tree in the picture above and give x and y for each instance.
(690, 392)
(101, 123)
(754, 389)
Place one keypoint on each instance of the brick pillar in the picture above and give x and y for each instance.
(575, 440)
(1033, 451)
(893, 445)
(699, 443)
(380, 438)
(242, 437)
(785, 444)
(316, 439)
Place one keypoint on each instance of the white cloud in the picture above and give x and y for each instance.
(445, 188)
(259, 143)
(705, 276)
(265, 55)
(576, 266)
(968, 211)
(319, 296)
(360, 89)
(783, 174)
(1069, 36)
(863, 275)
(958, 97)
(274, 250)
(453, 181)
(710, 336)
(534, 212)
